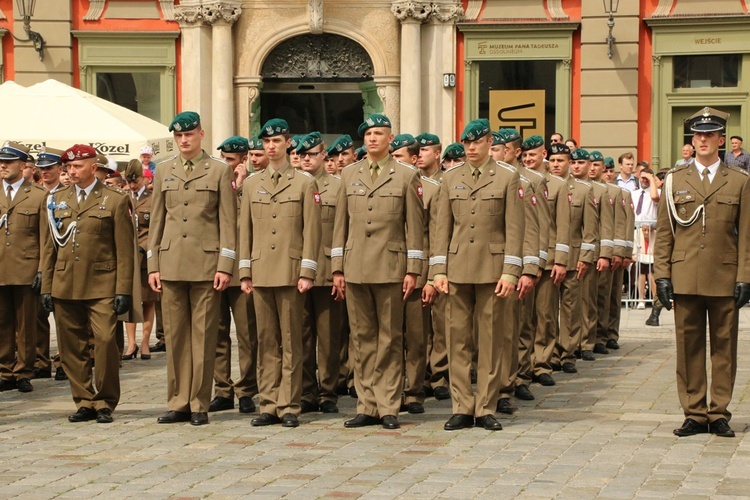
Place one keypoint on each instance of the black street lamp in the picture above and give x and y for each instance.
(26, 9)
(610, 7)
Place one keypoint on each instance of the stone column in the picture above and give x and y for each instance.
(656, 118)
(388, 92)
(248, 93)
(221, 16)
(411, 14)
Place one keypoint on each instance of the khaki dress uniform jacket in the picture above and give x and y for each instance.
(83, 276)
(378, 238)
(23, 232)
(437, 347)
(479, 241)
(704, 260)
(623, 248)
(143, 216)
(192, 237)
(280, 240)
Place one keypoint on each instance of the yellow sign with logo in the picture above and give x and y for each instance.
(522, 110)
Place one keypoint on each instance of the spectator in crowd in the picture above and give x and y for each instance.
(687, 155)
(572, 144)
(737, 157)
(626, 179)
(646, 200)
(146, 156)
(555, 138)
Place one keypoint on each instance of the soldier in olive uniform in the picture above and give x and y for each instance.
(191, 257)
(280, 231)
(702, 264)
(453, 155)
(87, 278)
(478, 262)
(342, 152)
(376, 258)
(24, 231)
(239, 305)
(323, 315)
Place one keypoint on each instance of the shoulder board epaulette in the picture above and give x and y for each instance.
(335, 176)
(305, 173)
(737, 169)
(526, 179)
(254, 173)
(454, 167)
(431, 181)
(507, 166)
(600, 184)
(167, 159)
(114, 188)
(37, 186)
(582, 182)
(406, 165)
(557, 177)
(217, 159)
(535, 172)
(354, 165)
(679, 167)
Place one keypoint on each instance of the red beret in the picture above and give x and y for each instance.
(112, 175)
(78, 152)
(147, 173)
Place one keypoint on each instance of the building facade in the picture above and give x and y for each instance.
(541, 66)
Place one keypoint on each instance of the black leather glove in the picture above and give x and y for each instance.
(122, 304)
(665, 292)
(47, 303)
(36, 285)
(741, 294)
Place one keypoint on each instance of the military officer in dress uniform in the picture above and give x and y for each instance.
(190, 260)
(376, 258)
(702, 265)
(239, 305)
(323, 315)
(478, 261)
(24, 232)
(87, 278)
(280, 231)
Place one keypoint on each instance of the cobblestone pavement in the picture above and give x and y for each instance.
(604, 432)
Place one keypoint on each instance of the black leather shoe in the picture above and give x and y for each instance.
(653, 319)
(390, 422)
(504, 406)
(247, 405)
(104, 416)
(60, 374)
(415, 408)
(555, 367)
(587, 355)
(489, 423)
(600, 349)
(329, 407)
(442, 393)
(612, 344)
(8, 385)
(353, 392)
(265, 419)
(341, 390)
(524, 393)
(721, 428)
(544, 379)
(569, 367)
(690, 428)
(308, 407)
(361, 420)
(220, 403)
(132, 355)
(174, 417)
(577, 353)
(158, 347)
(459, 421)
(39, 373)
(289, 420)
(24, 385)
(198, 418)
(83, 415)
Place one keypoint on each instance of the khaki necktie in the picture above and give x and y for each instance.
(10, 193)
(275, 178)
(475, 174)
(188, 167)
(374, 172)
(706, 181)
(81, 197)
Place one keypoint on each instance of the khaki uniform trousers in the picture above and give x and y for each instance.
(492, 324)
(91, 388)
(615, 306)
(603, 305)
(278, 311)
(191, 324)
(526, 340)
(547, 313)
(158, 321)
(346, 370)
(416, 330)
(43, 359)
(321, 341)
(237, 304)
(690, 313)
(437, 348)
(18, 311)
(571, 309)
(589, 290)
(509, 350)
(376, 318)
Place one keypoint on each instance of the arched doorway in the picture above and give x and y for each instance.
(319, 82)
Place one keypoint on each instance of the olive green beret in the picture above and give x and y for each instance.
(375, 120)
(294, 142)
(133, 171)
(609, 163)
(255, 145)
(454, 151)
(596, 156)
(402, 141)
(309, 141)
(476, 129)
(234, 144)
(498, 138)
(532, 142)
(510, 134)
(274, 126)
(341, 144)
(187, 120)
(427, 139)
(580, 154)
(360, 153)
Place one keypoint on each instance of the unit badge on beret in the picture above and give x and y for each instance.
(71, 155)
(177, 126)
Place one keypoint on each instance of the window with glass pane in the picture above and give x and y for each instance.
(139, 92)
(706, 71)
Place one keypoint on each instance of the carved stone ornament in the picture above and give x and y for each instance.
(167, 9)
(188, 14)
(315, 14)
(445, 13)
(325, 56)
(408, 9)
(208, 13)
(96, 8)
